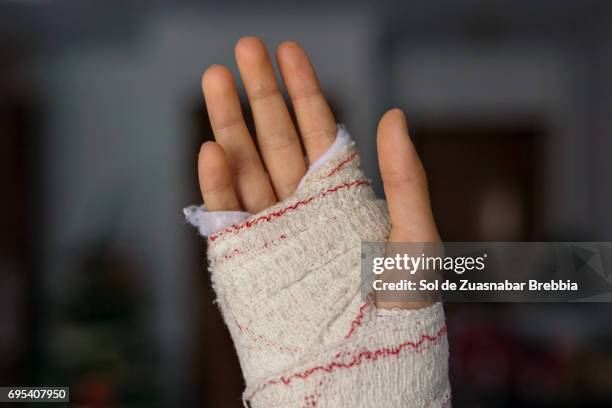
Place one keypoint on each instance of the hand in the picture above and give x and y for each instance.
(234, 176)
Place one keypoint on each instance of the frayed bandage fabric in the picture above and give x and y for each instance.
(288, 286)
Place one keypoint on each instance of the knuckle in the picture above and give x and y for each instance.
(305, 94)
(261, 92)
(319, 135)
(278, 142)
(244, 165)
(402, 181)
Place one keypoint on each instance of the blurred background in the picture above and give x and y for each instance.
(102, 284)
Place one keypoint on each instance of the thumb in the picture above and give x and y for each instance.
(405, 182)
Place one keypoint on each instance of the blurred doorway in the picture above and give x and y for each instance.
(483, 178)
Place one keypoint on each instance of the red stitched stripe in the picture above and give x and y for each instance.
(342, 164)
(357, 321)
(360, 358)
(283, 211)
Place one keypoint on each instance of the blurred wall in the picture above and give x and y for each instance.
(117, 85)
(115, 144)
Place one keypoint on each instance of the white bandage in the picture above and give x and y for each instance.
(288, 285)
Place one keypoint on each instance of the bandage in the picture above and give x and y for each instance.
(288, 285)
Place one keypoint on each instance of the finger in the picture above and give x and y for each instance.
(251, 182)
(404, 181)
(277, 138)
(315, 119)
(215, 179)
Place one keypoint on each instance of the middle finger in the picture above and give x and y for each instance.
(276, 135)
